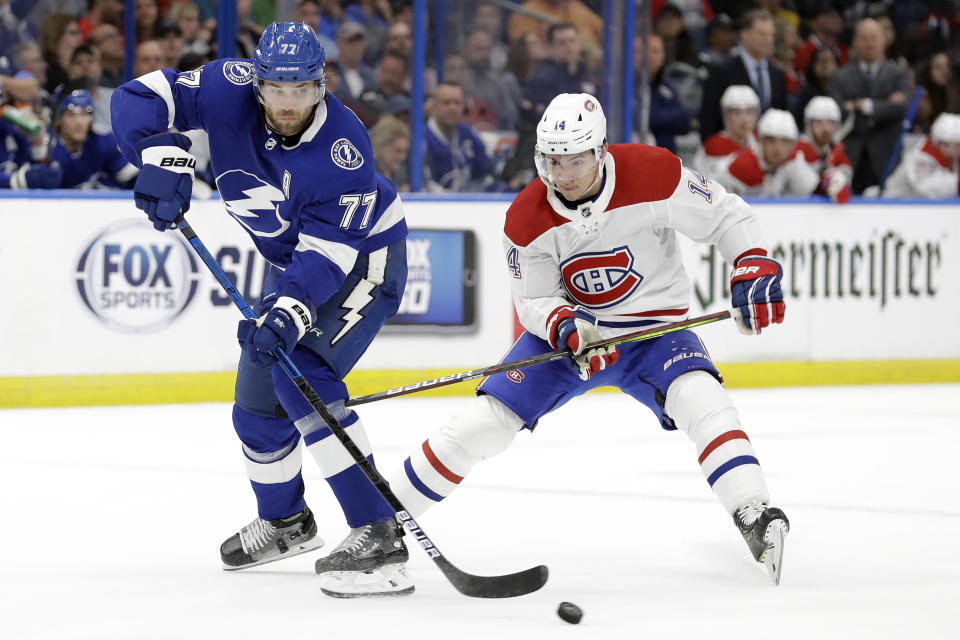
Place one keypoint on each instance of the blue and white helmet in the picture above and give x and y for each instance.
(78, 101)
(289, 52)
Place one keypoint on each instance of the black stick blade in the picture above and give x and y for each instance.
(507, 586)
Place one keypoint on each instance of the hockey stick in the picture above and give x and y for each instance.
(505, 586)
(904, 129)
(538, 359)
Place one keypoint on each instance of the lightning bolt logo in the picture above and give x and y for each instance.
(257, 196)
(355, 302)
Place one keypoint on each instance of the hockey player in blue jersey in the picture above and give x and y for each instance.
(88, 160)
(20, 162)
(295, 168)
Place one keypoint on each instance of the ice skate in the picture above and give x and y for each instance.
(764, 528)
(371, 562)
(264, 541)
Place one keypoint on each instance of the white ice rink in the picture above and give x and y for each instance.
(113, 517)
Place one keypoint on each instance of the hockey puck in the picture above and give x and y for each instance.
(570, 612)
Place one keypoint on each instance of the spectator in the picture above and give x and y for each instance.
(821, 118)
(331, 17)
(148, 18)
(564, 72)
(16, 152)
(196, 38)
(308, 11)
(931, 169)
(488, 17)
(499, 90)
(390, 139)
(148, 57)
(826, 25)
(750, 66)
(572, 12)
(941, 92)
(695, 15)
(27, 57)
(819, 77)
(721, 38)
(59, 36)
(741, 108)
(356, 76)
(668, 118)
(525, 56)
(15, 25)
(376, 16)
(88, 159)
(334, 80)
(785, 43)
(392, 74)
(101, 12)
(875, 90)
(85, 64)
(775, 169)
(678, 46)
(108, 43)
(248, 33)
(171, 41)
(455, 159)
(400, 38)
(476, 112)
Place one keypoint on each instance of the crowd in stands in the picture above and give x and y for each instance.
(768, 97)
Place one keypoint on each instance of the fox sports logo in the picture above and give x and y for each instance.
(134, 279)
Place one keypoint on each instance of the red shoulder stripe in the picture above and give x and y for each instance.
(531, 215)
(644, 174)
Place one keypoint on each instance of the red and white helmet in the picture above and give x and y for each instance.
(572, 123)
(777, 123)
(739, 96)
(946, 128)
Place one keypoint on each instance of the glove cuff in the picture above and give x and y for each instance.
(756, 252)
(170, 158)
(18, 179)
(298, 313)
(556, 317)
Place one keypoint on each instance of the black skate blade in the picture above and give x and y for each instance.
(773, 557)
(506, 586)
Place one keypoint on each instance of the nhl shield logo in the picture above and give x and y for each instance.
(600, 280)
(238, 72)
(345, 155)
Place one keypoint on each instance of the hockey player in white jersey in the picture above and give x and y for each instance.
(930, 168)
(821, 119)
(591, 251)
(776, 168)
(741, 108)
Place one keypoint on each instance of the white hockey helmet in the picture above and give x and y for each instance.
(739, 96)
(821, 108)
(946, 128)
(777, 123)
(572, 123)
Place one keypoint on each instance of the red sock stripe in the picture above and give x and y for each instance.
(439, 466)
(721, 439)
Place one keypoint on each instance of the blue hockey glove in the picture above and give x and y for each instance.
(165, 181)
(36, 176)
(282, 326)
(574, 328)
(755, 291)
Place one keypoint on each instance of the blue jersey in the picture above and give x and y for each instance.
(98, 164)
(460, 164)
(14, 152)
(311, 209)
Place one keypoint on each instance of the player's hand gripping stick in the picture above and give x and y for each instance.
(165, 181)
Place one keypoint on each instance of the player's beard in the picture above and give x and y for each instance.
(287, 127)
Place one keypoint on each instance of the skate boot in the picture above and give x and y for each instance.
(763, 528)
(371, 562)
(264, 541)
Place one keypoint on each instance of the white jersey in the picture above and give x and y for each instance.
(617, 254)
(717, 148)
(923, 173)
(746, 173)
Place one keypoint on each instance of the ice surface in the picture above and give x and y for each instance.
(113, 517)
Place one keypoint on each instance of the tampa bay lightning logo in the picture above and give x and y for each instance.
(238, 72)
(254, 203)
(345, 155)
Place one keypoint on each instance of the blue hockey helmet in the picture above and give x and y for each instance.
(289, 52)
(78, 101)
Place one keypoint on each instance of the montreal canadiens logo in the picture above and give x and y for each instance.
(345, 155)
(589, 106)
(600, 280)
(238, 72)
(515, 375)
(134, 279)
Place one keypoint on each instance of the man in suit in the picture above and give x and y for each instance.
(875, 91)
(749, 66)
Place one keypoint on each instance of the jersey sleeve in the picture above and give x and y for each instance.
(160, 101)
(536, 286)
(928, 177)
(703, 210)
(335, 233)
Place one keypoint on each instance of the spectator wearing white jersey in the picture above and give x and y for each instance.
(931, 169)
